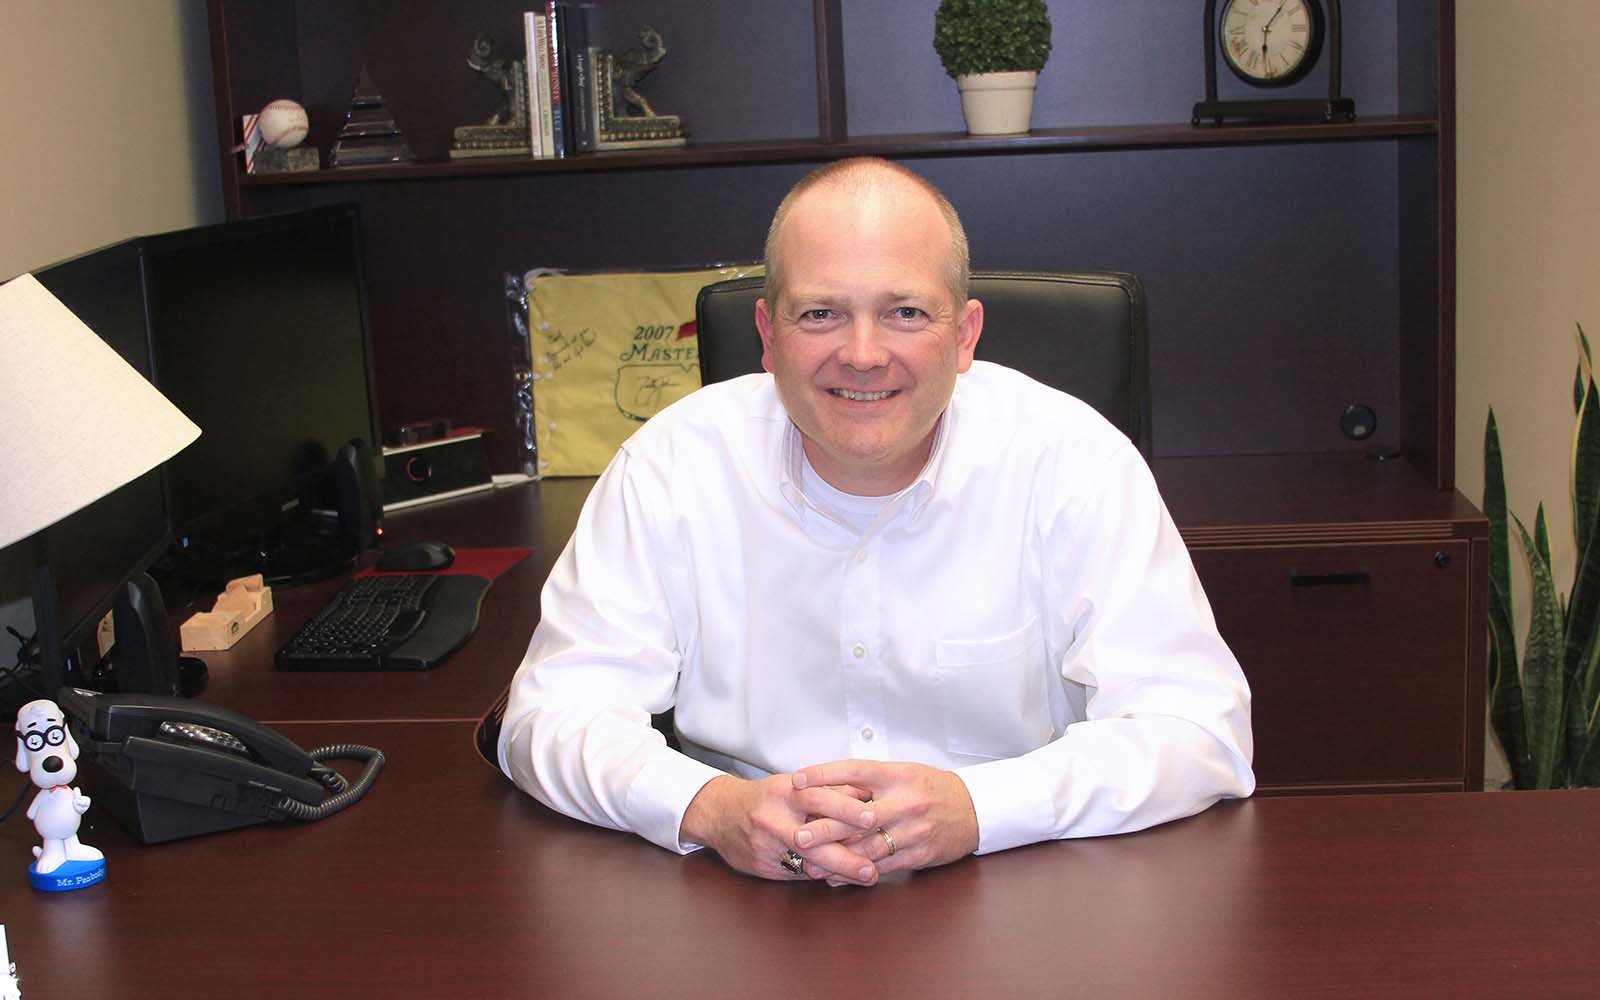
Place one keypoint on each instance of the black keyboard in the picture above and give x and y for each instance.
(407, 621)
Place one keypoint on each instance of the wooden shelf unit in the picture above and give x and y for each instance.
(1060, 140)
(1290, 270)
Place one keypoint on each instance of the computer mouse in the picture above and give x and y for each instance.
(416, 557)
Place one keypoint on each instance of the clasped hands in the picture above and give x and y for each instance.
(851, 821)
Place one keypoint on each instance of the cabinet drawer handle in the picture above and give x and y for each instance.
(1298, 579)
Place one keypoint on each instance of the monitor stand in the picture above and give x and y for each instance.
(301, 552)
(308, 552)
(336, 524)
(144, 659)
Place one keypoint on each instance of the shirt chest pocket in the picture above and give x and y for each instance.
(994, 693)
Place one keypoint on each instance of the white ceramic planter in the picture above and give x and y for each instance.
(997, 103)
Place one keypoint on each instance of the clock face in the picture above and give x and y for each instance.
(1270, 43)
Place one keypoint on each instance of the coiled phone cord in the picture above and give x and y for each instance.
(345, 793)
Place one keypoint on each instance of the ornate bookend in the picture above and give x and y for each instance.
(505, 133)
(626, 118)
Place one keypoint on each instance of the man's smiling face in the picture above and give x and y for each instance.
(866, 337)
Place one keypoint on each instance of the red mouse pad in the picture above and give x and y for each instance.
(487, 563)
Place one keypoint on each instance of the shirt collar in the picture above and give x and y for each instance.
(915, 497)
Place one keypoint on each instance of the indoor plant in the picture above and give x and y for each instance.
(994, 49)
(1545, 712)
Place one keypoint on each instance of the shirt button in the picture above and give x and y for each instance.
(866, 732)
(858, 650)
(861, 555)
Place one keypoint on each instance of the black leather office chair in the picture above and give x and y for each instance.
(1082, 333)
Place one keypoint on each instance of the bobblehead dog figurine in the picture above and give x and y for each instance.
(47, 752)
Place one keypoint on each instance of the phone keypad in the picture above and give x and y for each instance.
(215, 738)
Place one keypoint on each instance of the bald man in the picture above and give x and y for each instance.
(907, 606)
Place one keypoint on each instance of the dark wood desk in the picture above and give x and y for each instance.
(1412, 620)
(447, 882)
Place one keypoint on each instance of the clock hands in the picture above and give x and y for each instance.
(1266, 30)
(1268, 26)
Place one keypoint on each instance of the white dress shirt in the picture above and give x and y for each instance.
(1024, 614)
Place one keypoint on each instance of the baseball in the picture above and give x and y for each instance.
(283, 124)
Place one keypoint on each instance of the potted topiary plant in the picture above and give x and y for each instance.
(994, 50)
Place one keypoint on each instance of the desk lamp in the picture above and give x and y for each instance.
(78, 422)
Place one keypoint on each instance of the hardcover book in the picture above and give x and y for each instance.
(531, 63)
(579, 70)
(541, 56)
(558, 127)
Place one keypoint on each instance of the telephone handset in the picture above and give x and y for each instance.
(169, 767)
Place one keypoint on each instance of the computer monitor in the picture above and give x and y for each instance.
(260, 335)
(94, 560)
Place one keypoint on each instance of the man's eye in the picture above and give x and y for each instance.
(816, 315)
(908, 314)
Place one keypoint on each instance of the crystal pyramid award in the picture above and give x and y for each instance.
(369, 134)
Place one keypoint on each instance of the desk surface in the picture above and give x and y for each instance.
(447, 882)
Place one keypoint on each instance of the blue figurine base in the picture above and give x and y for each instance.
(71, 875)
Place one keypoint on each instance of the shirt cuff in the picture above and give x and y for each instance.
(1013, 803)
(661, 793)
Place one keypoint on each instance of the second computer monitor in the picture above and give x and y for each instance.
(261, 338)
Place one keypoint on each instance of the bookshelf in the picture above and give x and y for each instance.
(1292, 270)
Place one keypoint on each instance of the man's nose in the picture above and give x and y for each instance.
(53, 764)
(862, 348)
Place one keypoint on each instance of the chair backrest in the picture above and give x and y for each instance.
(1082, 333)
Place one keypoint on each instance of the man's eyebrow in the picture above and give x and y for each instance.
(802, 303)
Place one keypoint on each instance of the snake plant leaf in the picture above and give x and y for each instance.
(1583, 605)
(1541, 543)
(1577, 389)
(1586, 763)
(1586, 772)
(1542, 682)
(1583, 343)
(1494, 506)
(1581, 713)
(1586, 470)
(1505, 680)
(1505, 692)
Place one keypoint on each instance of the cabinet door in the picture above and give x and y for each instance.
(1356, 657)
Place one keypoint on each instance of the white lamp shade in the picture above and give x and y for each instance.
(78, 421)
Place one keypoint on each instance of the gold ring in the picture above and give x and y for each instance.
(887, 839)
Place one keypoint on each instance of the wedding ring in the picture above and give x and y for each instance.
(887, 839)
(792, 863)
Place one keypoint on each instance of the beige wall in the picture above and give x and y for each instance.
(1528, 255)
(1528, 260)
(107, 127)
(107, 124)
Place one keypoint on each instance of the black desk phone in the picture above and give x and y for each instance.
(168, 768)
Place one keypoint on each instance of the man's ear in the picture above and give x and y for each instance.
(764, 326)
(967, 333)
